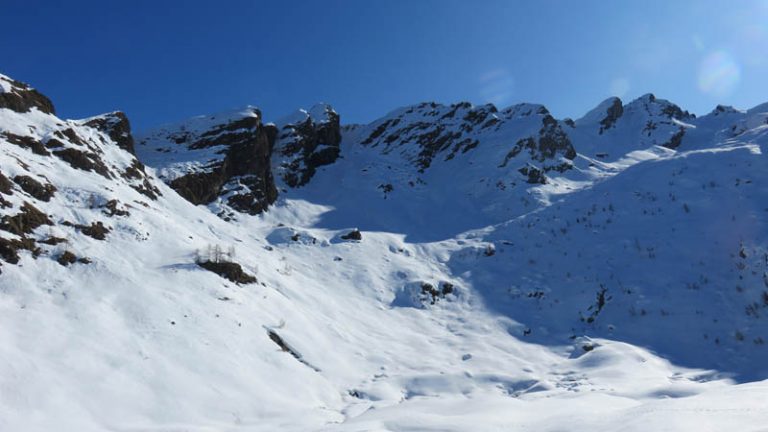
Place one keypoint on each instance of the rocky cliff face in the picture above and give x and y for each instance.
(306, 141)
(116, 126)
(224, 157)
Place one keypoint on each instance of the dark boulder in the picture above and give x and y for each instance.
(95, 230)
(353, 235)
(66, 258)
(9, 251)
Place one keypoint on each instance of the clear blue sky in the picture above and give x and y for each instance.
(163, 61)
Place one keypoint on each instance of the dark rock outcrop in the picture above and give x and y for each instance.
(25, 221)
(117, 126)
(545, 148)
(135, 172)
(111, 209)
(675, 140)
(242, 177)
(6, 187)
(26, 142)
(86, 161)
(95, 230)
(353, 235)
(228, 270)
(614, 111)
(308, 142)
(9, 249)
(66, 258)
(41, 191)
(428, 131)
(429, 293)
(436, 129)
(22, 98)
(533, 175)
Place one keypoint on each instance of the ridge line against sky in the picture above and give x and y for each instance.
(164, 62)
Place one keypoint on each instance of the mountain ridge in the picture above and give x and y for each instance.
(407, 280)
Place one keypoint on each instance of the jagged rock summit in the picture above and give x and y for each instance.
(223, 157)
(306, 140)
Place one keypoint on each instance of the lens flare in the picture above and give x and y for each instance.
(619, 87)
(719, 74)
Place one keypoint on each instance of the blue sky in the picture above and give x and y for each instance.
(162, 61)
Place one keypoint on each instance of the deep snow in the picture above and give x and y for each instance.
(142, 339)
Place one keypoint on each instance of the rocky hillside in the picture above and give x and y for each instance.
(595, 205)
(489, 150)
(62, 178)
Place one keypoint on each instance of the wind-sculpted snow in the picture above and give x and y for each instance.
(624, 292)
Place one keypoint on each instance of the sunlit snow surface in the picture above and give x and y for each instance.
(144, 340)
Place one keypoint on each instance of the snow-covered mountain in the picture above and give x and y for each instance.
(446, 267)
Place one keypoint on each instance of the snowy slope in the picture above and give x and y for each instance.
(432, 321)
(635, 249)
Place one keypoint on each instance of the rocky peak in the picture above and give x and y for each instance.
(222, 157)
(20, 97)
(117, 126)
(655, 107)
(604, 115)
(612, 113)
(612, 129)
(307, 139)
(524, 110)
(429, 132)
(724, 109)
